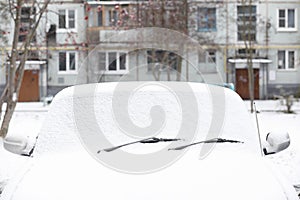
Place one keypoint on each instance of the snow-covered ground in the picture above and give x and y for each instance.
(29, 117)
(26, 121)
(272, 118)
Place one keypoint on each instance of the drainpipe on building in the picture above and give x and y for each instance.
(268, 25)
(47, 54)
(86, 46)
(226, 45)
(187, 33)
(137, 52)
(43, 78)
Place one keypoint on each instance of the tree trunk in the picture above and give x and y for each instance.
(15, 75)
(11, 101)
(2, 99)
(246, 36)
(251, 83)
(11, 105)
(179, 68)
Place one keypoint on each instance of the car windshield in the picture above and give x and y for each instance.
(111, 115)
(141, 126)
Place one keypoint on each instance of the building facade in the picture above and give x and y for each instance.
(34, 86)
(272, 30)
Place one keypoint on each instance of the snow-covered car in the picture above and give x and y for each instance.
(216, 154)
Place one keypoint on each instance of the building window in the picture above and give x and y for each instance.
(112, 62)
(95, 16)
(211, 56)
(26, 22)
(287, 19)
(208, 56)
(108, 15)
(66, 19)
(100, 18)
(207, 19)
(162, 60)
(246, 26)
(286, 59)
(245, 53)
(113, 17)
(67, 62)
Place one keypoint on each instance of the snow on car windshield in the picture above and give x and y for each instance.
(89, 110)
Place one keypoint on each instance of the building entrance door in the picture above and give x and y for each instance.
(30, 86)
(242, 83)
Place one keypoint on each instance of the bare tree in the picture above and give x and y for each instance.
(170, 14)
(19, 53)
(286, 99)
(4, 15)
(4, 20)
(247, 34)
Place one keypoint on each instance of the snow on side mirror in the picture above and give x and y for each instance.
(19, 145)
(276, 142)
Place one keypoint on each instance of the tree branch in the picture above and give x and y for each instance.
(2, 99)
(11, 10)
(29, 38)
(14, 84)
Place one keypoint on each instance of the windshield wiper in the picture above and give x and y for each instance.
(214, 140)
(143, 141)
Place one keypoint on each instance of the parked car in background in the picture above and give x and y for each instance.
(205, 131)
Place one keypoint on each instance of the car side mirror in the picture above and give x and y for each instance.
(276, 142)
(19, 145)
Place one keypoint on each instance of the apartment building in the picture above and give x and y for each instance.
(272, 30)
(55, 51)
(282, 45)
(226, 29)
(67, 46)
(34, 85)
(128, 42)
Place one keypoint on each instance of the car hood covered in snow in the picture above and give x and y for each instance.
(216, 177)
(66, 166)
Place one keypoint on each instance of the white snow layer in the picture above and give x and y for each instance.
(59, 135)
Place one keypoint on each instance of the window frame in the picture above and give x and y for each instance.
(171, 56)
(286, 57)
(118, 70)
(206, 29)
(286, 18)
(25, 23)
(100, 20)
(211, 58)
(113, 17)
(67, 20)
(207, 58)
(68, 70)
(96, 17)
(240, 24)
